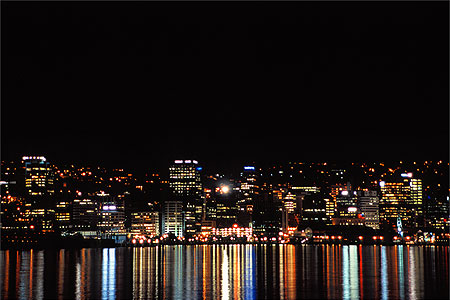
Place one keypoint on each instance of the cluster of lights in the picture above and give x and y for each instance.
(109, 207)
(34, 157)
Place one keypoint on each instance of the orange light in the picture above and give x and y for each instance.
(381, 237)
(360, 237)
(374, 237)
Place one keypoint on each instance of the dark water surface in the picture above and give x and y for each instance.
(228, 272)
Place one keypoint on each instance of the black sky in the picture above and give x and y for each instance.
(137, 84)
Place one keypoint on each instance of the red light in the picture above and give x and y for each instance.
(235, 225)
(133, 241)
(360, 237)
(374, 237)
(381, 237)
(31, 226)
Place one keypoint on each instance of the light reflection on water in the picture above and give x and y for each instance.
(227, 272)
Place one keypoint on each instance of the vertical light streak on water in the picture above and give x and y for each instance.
(39, 275)
(384, 274)
(78, 281)
(401, 274)
(235, 272)
(61, 265)
(225, 284)
(178, 261)
(412, 274)
(24, 271)
(108, 273)
(189, 272)
(345, 273)
(157, 266)
(282, 272)
(250, 272)
(354, 278)
(4, 264)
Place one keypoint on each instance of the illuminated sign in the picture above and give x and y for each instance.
(199, 168)
(344, 193)
(109, 207)
(187, 161)
(408, 175)
(178, 161)
(382, 183)
(249, 168)
(352, 209)
(34, 157)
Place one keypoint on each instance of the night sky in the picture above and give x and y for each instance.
(138, 84)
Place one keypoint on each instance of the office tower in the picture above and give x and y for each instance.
(84, 216)
(347, 209)
(112, 218)
(402, 198)
(369, 206)
(185, 182)
(145, 223)
(226, 203)
(173, 218)
(38, 176)
(249, 191)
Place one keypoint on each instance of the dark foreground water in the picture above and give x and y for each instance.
(228, 272)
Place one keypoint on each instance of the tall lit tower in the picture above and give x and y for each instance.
(402, 198)
(38, 176)
(185, 182)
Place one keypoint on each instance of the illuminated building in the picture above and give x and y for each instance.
(234, 231)
(145, 223)
(38, 176)
(112, 218)
(173, 218)
(186, 185)
(369, 206)
(84, 216)
(401, 198)
(227, 211)
(62, 214)
(249, 191)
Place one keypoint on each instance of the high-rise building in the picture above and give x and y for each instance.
(146, 223)
(38, 176)
(173, 218)
(112, 218)
(401, 198)
(249, 192)
(369, 206)
(185, 182)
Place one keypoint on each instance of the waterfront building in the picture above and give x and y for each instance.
(185, 182)
(369, 206)
(173, 218)
(401, 198)
(112, 218)
(145, 223)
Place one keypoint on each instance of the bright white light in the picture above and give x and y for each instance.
(112, 207)
(408, 175)
(352, 209)
(178, 161)
(225, 189)
(195, 162)
(344, 193)
(187, 161)
(382, 183)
